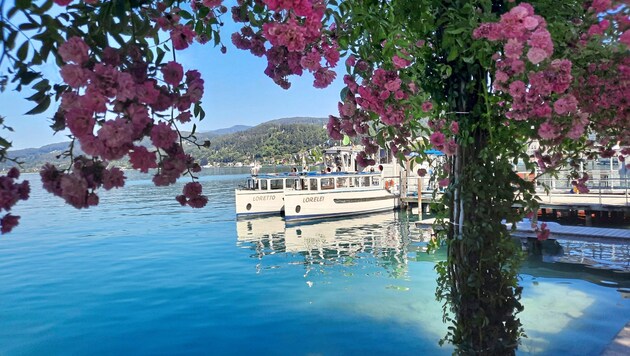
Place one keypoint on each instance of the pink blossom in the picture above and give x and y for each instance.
(74, 190)
(63, 2)
(536, 55)
(566, 104)
(427, 106)
(625, 38)
(147, 92)
(113, 178)
(437, 139)
(323, 78)
(173, 73)
(331, 53)
(182, 36)
(8, 221)
(393, 85)
(126, 88)
(80, 122)
(74, 50)
(74, 75)
(333, 128)
(142, 159)
(163, 136)
(517, 88)
(513, 48)
(530, 22)
(600, 5)
(444, 182)
(311, 61)
(184, 117)
(192, 189)
(455, 127)
(548, 131)
(543, 233)
(450, 148)
(400, 62)
(198, 202)
(422, 172)
(212, 3)
(351, 61)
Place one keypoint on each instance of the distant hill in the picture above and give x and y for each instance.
(272, 141)
(229, 130)
(300, 120)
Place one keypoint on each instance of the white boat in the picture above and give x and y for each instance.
(339, 194)
(263, 194)
(341, 188)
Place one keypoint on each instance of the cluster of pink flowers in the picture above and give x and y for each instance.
(439, 139)
(78, 187)
(192, 196)
(548, 95)
(10, 193)
(121, 86)
(182, 35)
(540, 95)
(297, 41)
(381, 92)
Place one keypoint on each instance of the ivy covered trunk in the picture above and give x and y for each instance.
(478, 282)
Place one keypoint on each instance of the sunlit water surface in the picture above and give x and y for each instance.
(141, 275)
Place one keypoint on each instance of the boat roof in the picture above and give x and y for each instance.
(312, 174)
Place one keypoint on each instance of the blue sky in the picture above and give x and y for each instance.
(237, 92)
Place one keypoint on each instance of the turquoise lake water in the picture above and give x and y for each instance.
(141, 275)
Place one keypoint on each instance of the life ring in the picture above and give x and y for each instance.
(389, 184)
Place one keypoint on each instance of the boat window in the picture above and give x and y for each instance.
(251, 184)
(290, 183)
(263, 184)
(354, 182)
(365, 181)
(275, 184)
(328, 183)
(375, 181)
(313, 184)
(304, 184)
(342, 182)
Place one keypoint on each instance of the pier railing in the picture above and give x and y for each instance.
(605, 188)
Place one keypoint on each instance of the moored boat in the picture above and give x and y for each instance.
(341, 188)
(336, 195)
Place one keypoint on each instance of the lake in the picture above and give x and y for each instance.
(141, 275)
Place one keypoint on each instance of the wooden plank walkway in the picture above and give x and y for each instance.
(559, 231)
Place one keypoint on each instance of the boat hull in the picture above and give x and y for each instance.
(307, 205)
(257, 203)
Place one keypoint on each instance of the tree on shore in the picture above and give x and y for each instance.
(489, 76)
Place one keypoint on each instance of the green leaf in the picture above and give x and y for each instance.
(185, 14)
(346, 140)
(41, 107)
(453, 54)
(22, 52)
(4, 142)
(343, 93)
(23, 4)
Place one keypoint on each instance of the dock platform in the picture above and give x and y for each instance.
(558, 231)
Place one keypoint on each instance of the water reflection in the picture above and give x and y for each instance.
(391, 241)
(383, 239)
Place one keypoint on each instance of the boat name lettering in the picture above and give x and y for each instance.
(312, 199)
(264, 197)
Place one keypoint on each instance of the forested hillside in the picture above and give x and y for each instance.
(266, 143)
(276, 141)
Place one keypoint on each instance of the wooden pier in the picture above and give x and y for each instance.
(592, 206)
